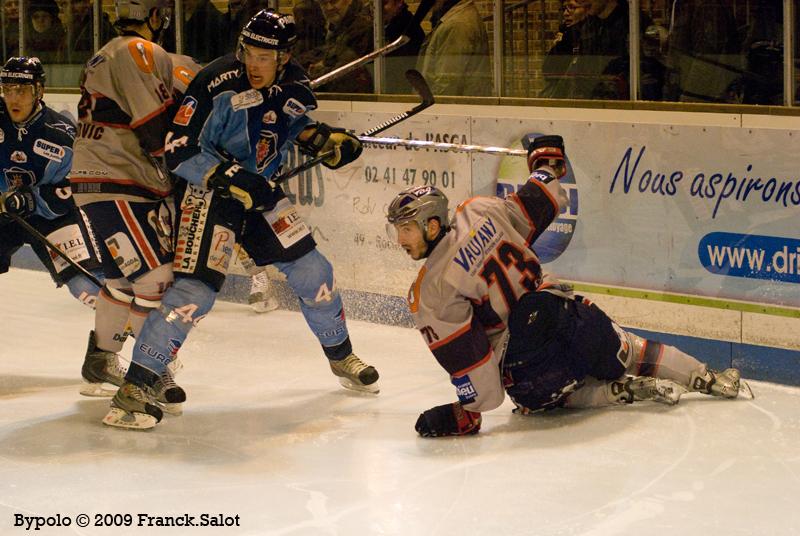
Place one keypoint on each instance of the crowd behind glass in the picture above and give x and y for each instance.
(719, 51)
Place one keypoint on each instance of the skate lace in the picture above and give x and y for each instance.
(352, 365)
(165, 382)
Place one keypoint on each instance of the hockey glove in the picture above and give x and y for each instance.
(547, 151)
(322, 138)
(448, 420)
(20, 202)
(250, 189)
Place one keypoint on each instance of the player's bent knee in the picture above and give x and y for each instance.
(311, 278)
(187, 302)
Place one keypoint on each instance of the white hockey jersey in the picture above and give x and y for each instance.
(463, 295)
(126, 94)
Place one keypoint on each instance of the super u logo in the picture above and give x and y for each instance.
(513, 174)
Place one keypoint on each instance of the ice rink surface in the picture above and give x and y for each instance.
(268, 435)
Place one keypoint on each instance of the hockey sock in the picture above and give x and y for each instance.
(311, 278)
(111, 315)
(652, 358)
(163, 333)
(148, 290)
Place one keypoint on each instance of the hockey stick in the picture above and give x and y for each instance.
(417, 82)
(43, 239)
(355, 64)
(457, 147)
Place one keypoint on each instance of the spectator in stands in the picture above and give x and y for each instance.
(203, 29)
(397, 21)
(603, 66)
(78, 20)
(310, 23)
(348, 36)
(10, 14)
(455, 56)
(44, 33)
(703, 54)
(564, 52)
(762, 82)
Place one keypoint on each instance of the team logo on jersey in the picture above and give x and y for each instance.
(18, 177)
(123, 253)
(294, 108)
(142, 53)
(246, 99)
(269, 118)
(222, 242)
(19, 157)
(464, 389)
(513, 174)
(186, 111)
(51, 151)
(95, 61)
(266, 149)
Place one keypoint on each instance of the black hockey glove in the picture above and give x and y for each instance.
(250, 189)
(547, 151)
(321, 138)
(448, 420)
(20, 202)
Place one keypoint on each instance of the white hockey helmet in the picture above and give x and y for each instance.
(139, 10)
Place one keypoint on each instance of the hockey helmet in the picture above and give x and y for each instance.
(23, 70)
(269, 29)
(419, 204)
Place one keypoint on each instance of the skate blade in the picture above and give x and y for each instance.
(98, 389)
(745, 391)
(372, 388)
(119, 418)
(175, 409)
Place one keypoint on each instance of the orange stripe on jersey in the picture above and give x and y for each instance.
(483, 360)
(466, 202)
(151, 115)
(414, 293)
(453, 336)
(183, 74)
(142, 54)
(138, 236)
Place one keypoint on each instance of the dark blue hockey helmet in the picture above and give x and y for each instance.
(23, 70)
(269, 29)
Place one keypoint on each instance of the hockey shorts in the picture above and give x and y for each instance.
(209, 226)
(68, 232)
(554, 343)
(134, 237)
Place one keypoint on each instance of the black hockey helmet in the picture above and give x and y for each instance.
(269, 29)
(23, 70)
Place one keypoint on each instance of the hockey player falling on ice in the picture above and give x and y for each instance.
(126, 91)
(225, 141)
(36, 155)
(481, 282)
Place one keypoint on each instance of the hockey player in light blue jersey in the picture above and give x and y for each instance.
(228, 137)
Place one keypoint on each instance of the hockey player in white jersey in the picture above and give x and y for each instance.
(126, 95)
(497, 323)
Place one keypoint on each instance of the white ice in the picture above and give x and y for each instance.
(269, 435)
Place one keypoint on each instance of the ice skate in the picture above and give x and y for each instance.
(727, 384)
(168, 395)
(356, 375)
(647, 388)
(132, 408)
(101, 371)
(262, 299)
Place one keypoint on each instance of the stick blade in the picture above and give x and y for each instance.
(420, 85)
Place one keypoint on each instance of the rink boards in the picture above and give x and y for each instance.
(678, 223)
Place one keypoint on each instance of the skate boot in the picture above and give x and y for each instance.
(261, 298)
(169, 396)
(647, 388)
(132, 408)
(727, 384)
(355, 374)
(100, 368)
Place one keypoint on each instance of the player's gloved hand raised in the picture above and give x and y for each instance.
(547, 151)
(448, 420)
(321, 138)
(250, 189)
(20, 202)
(345, 145)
